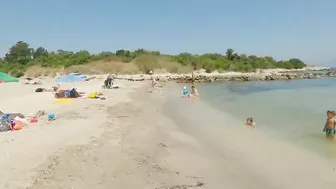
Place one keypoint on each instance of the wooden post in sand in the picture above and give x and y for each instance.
(192, 73)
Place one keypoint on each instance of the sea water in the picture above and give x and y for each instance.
(293, 111)
(287, 143)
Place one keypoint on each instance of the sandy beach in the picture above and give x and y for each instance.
(128, 141)
(112, 143)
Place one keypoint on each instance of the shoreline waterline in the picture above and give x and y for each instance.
(289, 110)
(227, 137)
(261, 75)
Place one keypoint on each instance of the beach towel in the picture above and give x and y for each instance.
(62, 101)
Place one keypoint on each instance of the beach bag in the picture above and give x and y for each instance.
(38, 90)
(4, 126)
(73, 93)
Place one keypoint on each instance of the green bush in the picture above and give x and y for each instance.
(17, 73)
(21, 56)
(147, 63)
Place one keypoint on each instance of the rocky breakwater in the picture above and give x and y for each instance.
(241, 77)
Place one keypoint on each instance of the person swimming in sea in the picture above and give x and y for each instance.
(250, 122)
(330, 124)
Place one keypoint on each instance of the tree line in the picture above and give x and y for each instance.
(21, 55)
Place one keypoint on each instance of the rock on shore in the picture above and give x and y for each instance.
(202, 78)
(260, 75)
(240, 77)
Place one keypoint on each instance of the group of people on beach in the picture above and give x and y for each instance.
(193, 92)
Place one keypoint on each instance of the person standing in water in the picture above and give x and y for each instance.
(329, 127)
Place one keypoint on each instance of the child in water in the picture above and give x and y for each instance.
(250, 122)
(194, 92)
(185, 92)
(329, 127)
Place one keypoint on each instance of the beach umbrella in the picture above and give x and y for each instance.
(7, 78)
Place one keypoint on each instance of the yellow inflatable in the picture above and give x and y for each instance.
(93, 95)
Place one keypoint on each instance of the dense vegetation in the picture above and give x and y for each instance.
(21, 56)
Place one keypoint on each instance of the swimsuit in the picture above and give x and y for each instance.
(331, 131)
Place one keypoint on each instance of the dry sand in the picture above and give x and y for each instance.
(112, 143)
(126, 142)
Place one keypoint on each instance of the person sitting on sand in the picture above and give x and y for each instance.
(194, 92)
(250, 122)
(330, 124)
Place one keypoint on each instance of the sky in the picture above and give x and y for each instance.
(282, 29)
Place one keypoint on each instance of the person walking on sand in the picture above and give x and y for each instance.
(330, 124)
(153, 84)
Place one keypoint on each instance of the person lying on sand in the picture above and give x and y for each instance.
(194, 92)
(61, 93)
(330, 124)
(31, 81)
(250, 122)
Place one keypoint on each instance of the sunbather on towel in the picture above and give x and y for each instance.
(61, 93)
(31, 81)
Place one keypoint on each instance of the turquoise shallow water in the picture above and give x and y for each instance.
(294, 111)
(286, 147)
